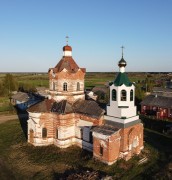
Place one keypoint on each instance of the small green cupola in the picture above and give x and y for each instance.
(122, 77)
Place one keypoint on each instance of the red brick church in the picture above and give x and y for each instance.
(66, 118)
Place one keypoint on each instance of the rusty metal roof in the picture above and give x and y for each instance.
(43, 106)
(88, 107)
(102, 89)
(21, 96)
(62, 107)
(67, 63)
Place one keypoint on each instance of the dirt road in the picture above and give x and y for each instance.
(4, 118)
(21, 116)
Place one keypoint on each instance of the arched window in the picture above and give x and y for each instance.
(54, 86)
(131, 95)
(101, 150)
(78, 86)
(123, 95)
(44, 132)
(65, 86)
(57, 136)
(31, 136)
(113, 95)
(81, 133)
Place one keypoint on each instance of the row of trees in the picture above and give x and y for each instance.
(9, 83)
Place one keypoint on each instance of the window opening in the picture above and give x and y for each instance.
(123, 95)
(44, 133)
(65, 86)
(101, 150)
(113, 95)
(131, 95)
(78, 86)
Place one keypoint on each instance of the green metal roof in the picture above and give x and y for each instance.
(121, 79)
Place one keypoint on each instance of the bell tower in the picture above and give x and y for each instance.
(122, 93)
(121, 113)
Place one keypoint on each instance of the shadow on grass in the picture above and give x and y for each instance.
(162, 144)
(23, 117)
(159, 141)
(5, 171)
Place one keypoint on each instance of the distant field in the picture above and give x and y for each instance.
(91, 78)
(102, 78)
(34, 79)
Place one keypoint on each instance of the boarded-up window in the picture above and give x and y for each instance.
(101, 150)
(44, 132)
(131, 95)
(65, 86)
(123, 95)
(113, 95)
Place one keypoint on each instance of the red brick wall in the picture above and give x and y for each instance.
(128, 135)
(114, 147)
(95, 121)
(67, 75)
(110, 148)
(122, 141)
(52, 121)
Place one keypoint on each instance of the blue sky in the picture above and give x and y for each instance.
(32, 34)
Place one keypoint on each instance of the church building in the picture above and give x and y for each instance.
(66, 118)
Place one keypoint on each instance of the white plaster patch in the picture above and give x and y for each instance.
(64, 70)
(100, 136)
(34, 115)
(141, 147)
(82, 123)
(102, 143)
(66, 132)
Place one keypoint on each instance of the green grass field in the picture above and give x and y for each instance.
(91, 78)
(34, 80)
(20, 160)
